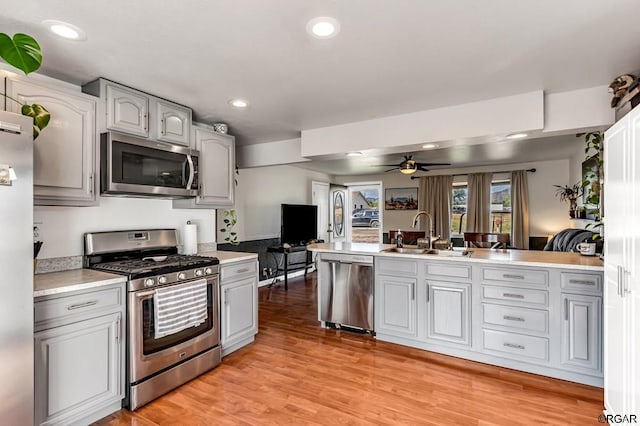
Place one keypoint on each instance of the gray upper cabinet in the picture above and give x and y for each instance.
(216, 169)
(127, 110)
(65, 151)
(174, 123)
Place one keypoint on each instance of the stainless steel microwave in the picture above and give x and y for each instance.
(131, 166)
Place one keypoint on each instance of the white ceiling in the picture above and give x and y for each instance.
(392, 56)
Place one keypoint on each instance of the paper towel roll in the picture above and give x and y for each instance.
(190, 238)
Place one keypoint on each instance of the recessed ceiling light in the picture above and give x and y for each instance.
(239, 103)
(323, 27)
(430, 146)
(354, 154)
(517, 136)
(65, 30)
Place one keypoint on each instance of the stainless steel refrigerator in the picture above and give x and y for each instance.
(16, 267)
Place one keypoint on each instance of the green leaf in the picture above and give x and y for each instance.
(223, 230)
(21, 51)
(40, 115)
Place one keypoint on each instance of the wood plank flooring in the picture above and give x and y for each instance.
(297, 373)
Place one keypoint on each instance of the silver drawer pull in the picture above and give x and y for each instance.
(239, 271)
(510, 318)
(82, 305)
(513, 295)
(513, 345)
(515, 277)
(584, 282)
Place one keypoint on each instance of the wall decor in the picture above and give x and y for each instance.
(401, 198)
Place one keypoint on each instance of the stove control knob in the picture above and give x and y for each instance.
(182, 276)
(149, 282)
(162, 280)
(208, 271)
(198, 272)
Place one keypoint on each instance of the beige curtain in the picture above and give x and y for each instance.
(520, 209)
(479, 202)
(434, 197)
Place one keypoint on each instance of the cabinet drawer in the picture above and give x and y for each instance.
(69, 306)
(515, 345)
(447, 270)
(238, 270)
(522, 319)
(591, 283)
(392, 266)
(519, 295)
(516, 276)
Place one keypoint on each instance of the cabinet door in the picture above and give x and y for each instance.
(448, 308)
(64, 153)
(173, 123)
(581, 342)
(77, 368)
(239, 310)
(127, 110)
(615, 307)
(396, 307)
(217, 166)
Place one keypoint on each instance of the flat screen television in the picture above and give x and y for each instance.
(299, 223)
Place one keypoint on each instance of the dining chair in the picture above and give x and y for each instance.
(486, 240)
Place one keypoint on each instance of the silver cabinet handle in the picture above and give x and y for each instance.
(427, 292)
(566, 309)
(512, 318)
(513, 295)
(146, 122)
(513, 345)
(117, 334)
(162, 127)
(619, 280)
(226, 296)
(239, 271)
(583, 282)
(413, 291)
(82, 305)
(512, 276)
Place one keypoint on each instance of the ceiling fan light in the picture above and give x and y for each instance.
(408, 169)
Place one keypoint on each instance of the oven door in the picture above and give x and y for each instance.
(141, 167)
(148, 355)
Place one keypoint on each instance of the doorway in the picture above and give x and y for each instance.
(365, 225)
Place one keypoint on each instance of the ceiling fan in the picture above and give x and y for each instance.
(410, 166)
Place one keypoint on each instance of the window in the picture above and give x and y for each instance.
(500, 208)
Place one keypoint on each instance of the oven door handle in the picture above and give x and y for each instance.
(192, 172)
(143, 295)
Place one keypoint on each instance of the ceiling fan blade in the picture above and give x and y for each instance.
(434, 164)
(390, 170)
(423, 169)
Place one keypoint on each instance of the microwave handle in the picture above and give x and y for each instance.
(191, 172)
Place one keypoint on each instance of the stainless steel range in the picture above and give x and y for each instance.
(172, 308)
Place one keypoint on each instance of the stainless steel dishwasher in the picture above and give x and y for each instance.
(346, 290)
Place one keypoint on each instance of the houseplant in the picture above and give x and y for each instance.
(23, 52)
(570, 193)
(593, 176)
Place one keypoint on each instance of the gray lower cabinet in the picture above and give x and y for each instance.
(64, 154)
(396, 306)
(79, 356)
(239, 305)
(581, 331)
(448, 307)
(216, 186)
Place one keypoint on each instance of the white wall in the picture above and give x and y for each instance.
(62, 228)
(260, 192)
(547, 215)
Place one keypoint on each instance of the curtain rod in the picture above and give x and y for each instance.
(467, 174)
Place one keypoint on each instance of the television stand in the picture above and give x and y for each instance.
(296, 266)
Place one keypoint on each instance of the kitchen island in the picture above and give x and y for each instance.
(534, 311)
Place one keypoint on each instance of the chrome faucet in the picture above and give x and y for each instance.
(415, 222)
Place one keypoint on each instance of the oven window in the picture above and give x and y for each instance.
(151, 345)
(138, 165)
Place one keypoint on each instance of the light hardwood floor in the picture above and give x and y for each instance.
(297, 373)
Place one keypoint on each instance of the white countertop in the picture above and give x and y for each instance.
(226, 257)
(551, 259)
(72, 280)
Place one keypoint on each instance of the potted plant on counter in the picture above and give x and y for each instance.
(570, 193)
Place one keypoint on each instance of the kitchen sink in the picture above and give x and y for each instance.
(429, 252)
